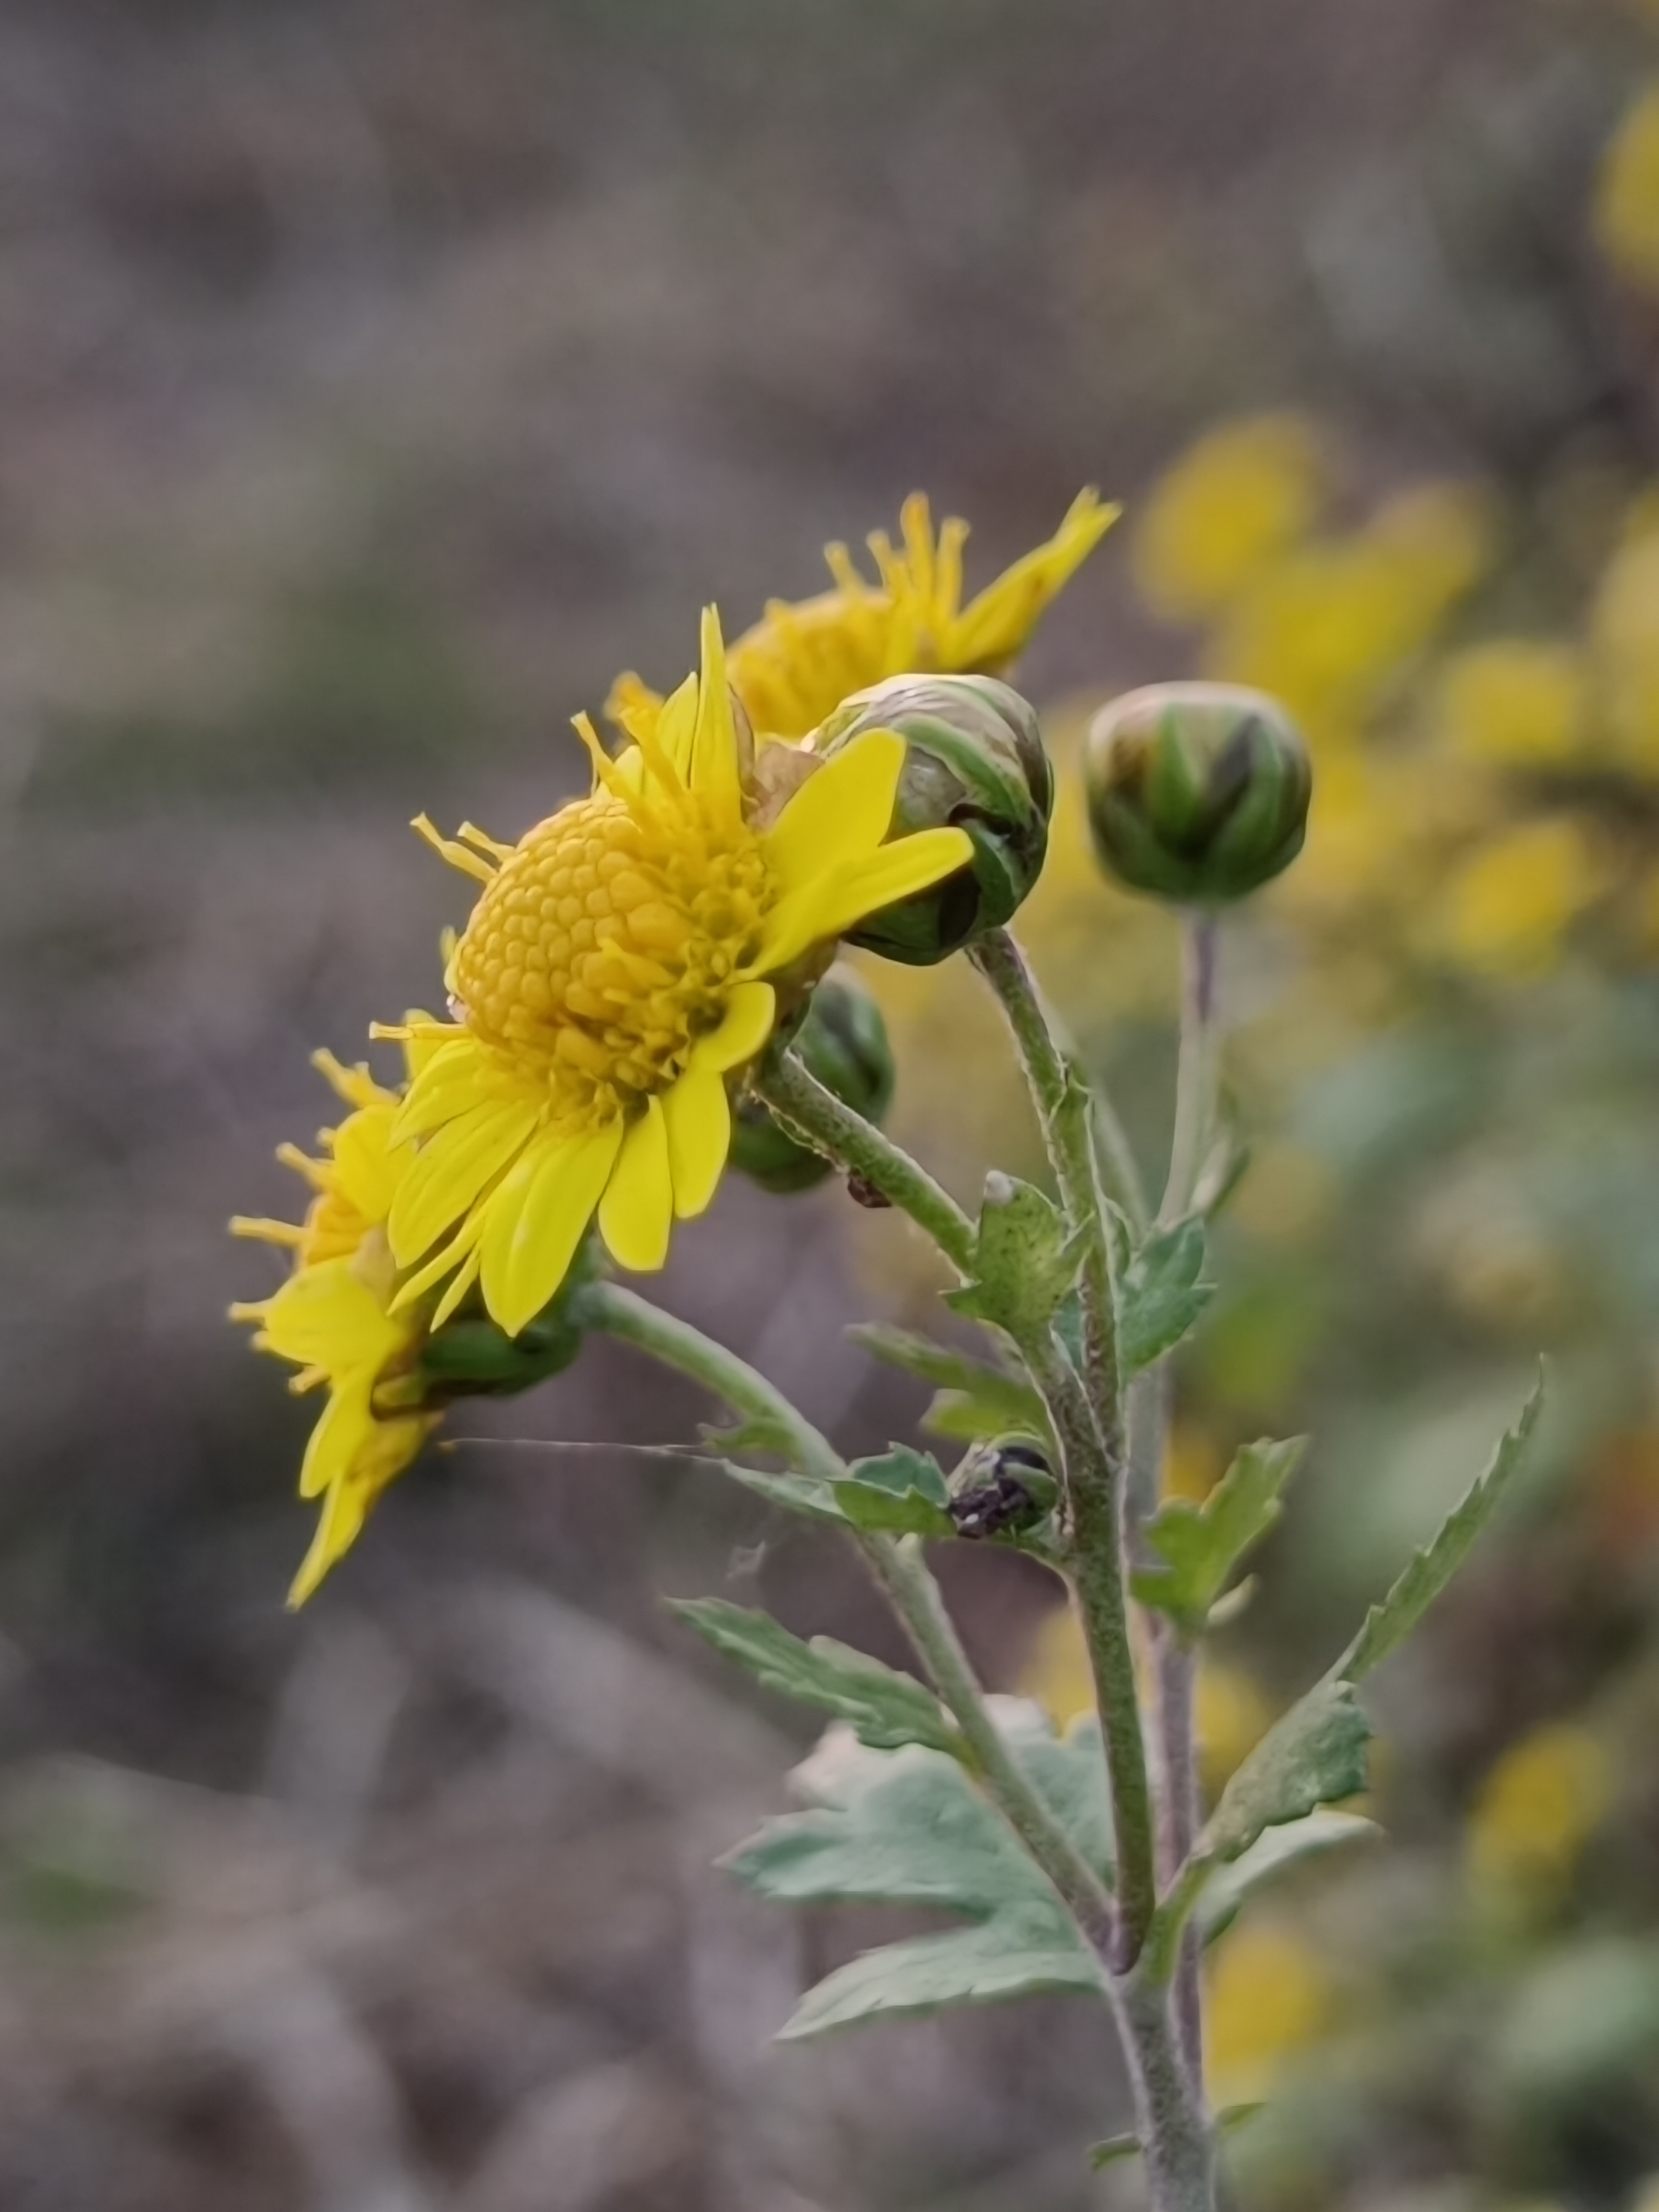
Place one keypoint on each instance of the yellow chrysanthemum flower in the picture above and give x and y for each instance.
(803, 658)
(1627, 218)
(611, 977)
(333, 1319)
(1240, 498)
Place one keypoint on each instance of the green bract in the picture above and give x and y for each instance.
(843, 1040)
(976, 762)
(1197, 791)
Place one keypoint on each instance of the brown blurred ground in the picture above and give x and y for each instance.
(378, 380)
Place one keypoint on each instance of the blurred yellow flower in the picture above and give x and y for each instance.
(1268, 1996)
(1625, 636)
(1538, 1808)
(1231, 1716)
(1241, 497)
(1626, 215)
(1515, 700)
(1508, 907)
(802, 659)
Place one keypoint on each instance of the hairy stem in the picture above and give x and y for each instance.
(900, 1571)
(634, 1320)
(816, 1117)
(1093, 1436)
(1173, 1664)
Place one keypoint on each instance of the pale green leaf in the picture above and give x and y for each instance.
(902, 1493)
(1269, 1855)
(1313, 1755)
(806, 1494)
(1025, 1263)
(975, 1399)
(884, 1708)
(1115, 2148)
(1387, 1626)
(910, 1828)
(1202, 1544)
(1161, 1295)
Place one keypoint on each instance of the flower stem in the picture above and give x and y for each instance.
(1094, 1440)
(901, 1573)
(1174, 1662)
(634, 1320)
(816, 1117)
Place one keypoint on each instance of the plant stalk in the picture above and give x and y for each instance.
(900, 1571)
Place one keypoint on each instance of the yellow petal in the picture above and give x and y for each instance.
(338, 1526)
(824, 910)
(327, 1316)
(432, 1272)
(535, 1221)
(364, 1163)
(677, 727)
(715, 743)
(997, 625)
(751, 1011)
(637, 1210)
(451, 1168)
(444, 1087)
(842, 812)
(699, 1118)
(343, 1427)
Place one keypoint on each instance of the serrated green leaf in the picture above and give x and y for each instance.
(1274, 1850)
(884, 1708)
(1387, 1626)
(1313, 1755)
(809, 1495)
(902, 1493)
(1025, 1263)
(1160, 1295)
(1202, 1544)
(1017, 1953)
(975, 1399)
(909, 1828)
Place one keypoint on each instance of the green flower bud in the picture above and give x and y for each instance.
(976, 762)
(843, 1040)
(470, 1357)
(1197, 791)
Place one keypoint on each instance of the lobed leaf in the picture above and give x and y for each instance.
(884, 1708)
(1313, 1755)
(1025, 1262)
(1387, 1626)
(809, 1495)
(1202, 1544)
(1160, 1295)
(1269, 1855)
(910, 1828)
(902, 1493)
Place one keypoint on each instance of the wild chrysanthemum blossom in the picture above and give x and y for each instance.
(333, 1319)
(802, 659)
(611, 978)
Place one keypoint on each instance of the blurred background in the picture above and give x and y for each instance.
(378, 380)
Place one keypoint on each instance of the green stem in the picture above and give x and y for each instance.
(899, 1570)
(903, 1574)
(1174, 1665)
(633, 1319)
(1196, 1074)
(817, 1118)
(1176, 2140)
(1092, 1436)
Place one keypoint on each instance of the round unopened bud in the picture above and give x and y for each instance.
(1197, 791)
(975, 760)
(470, 1356)
(843, 1040)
